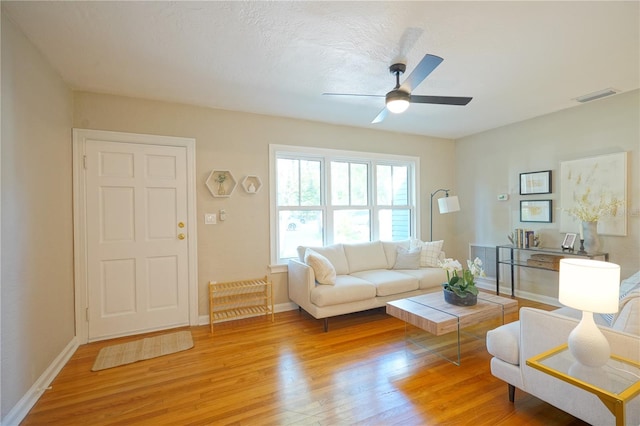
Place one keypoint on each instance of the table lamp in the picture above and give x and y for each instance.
(591, 286)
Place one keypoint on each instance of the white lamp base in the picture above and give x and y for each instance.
(587, 344)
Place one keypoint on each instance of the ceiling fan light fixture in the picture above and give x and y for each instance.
(397, 101)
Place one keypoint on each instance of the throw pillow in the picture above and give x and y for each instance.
(407, 258)
(626, 286)
(323, 269)
(625, 297)
(430, 252)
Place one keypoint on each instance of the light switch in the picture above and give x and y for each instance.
(210, 219)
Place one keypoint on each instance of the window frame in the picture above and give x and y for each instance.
(326, 156)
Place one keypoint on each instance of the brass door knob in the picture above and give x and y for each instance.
(180, 224)
(181, 236)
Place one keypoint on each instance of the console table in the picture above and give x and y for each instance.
(513, 262)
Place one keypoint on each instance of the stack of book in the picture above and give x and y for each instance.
(523, 238)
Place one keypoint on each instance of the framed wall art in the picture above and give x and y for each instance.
(536, 211)
(535, 183)
(590, 186)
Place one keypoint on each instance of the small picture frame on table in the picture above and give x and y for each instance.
(535, 183)
(569, 241)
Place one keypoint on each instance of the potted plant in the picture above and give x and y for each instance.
(220, 179)
(460, 288)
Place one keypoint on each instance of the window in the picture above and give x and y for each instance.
(321, 197)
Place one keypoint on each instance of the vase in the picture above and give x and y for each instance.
(590, 236)
(452, 297)
(221, 190)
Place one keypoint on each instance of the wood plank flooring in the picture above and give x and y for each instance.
(254, 372)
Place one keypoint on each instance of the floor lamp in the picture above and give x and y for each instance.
(446, 204)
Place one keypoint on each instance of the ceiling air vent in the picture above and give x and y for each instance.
(596, 95)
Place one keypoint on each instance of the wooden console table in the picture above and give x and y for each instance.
(513, 262)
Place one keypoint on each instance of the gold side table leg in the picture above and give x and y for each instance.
(616, 407)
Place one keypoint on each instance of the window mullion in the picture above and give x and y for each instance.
(299, 183)
(327, 205)
(350, 184)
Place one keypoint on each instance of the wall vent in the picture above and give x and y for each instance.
(596, 95)
(488, 256)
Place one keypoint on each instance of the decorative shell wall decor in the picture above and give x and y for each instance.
(252, 184)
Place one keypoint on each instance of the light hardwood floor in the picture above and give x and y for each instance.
(254, 372)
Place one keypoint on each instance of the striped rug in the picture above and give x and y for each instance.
(138, 350)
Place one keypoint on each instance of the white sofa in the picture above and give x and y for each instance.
(538, 331)
(365, 275)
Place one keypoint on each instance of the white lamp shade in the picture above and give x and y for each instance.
(589, 285)
(448, 204)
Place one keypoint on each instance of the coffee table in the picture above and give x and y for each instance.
(429, 312)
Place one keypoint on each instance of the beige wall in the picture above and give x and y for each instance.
(37, 316)
(239, 247)
(37, 232)
(489, 164)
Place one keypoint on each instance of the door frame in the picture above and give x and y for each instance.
(80, 138)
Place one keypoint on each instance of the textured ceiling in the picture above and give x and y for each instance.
(517, 60)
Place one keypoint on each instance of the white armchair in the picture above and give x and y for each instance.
(538, 331)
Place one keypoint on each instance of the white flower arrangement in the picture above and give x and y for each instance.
(466, 282)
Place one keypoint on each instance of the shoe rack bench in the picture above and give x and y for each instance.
(240, 299)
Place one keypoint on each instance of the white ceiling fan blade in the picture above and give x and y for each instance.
(381, 116)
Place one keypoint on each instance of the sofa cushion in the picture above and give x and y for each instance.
(390, 250)
(427, 277)
(504, 342)
(323, 269)
(407, 258)
(334, 253)
(347, 289)
(430, 252)
(626, 286)
(365, 256)
(388, 282)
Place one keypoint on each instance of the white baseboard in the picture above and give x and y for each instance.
(506, 291)
(281, 307)
(26, 403)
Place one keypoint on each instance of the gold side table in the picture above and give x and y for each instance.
(614, 384)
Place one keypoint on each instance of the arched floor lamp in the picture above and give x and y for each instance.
(446, 204)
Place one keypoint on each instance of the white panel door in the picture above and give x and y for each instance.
(136, 230)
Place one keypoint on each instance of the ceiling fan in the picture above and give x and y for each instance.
(398, 99)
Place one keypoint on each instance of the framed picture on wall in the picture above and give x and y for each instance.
(535, 211)
(535, 183)
(589, 183)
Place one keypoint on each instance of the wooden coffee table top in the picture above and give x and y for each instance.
(431, 313)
